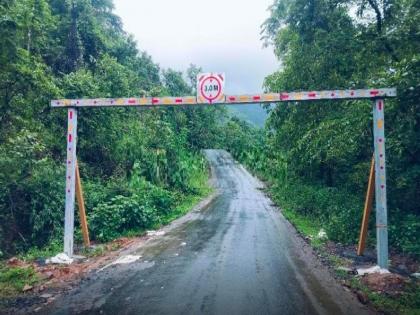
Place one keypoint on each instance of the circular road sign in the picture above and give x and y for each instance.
(210, 88)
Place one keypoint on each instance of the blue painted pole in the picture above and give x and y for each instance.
(70, 181)
(380, 183)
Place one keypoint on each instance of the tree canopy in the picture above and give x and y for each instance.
(144, 160)
(324, 149)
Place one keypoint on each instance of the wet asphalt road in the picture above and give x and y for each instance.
(236, 256)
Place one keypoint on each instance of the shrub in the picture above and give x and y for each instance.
(161, 199)
(405, 234)
(121, 214)
(336, 210)
(158, 197)
(31, 194)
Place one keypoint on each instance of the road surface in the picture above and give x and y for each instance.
(236, 256)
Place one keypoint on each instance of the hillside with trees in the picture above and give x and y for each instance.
(141, 168)
(136, 166)
(317, 155)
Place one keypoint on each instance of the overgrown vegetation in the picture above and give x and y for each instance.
(316, 155)
(14, 279)
(136, 166)
(144, 205)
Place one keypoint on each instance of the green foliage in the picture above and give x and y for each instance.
(317, 155)
(13, 279)
(406, 233)
(76, 49)
(199, 184)
(337, 212)
(31, 195)
(109, 220)
(308, 226)
(143, 206)
(50, 250)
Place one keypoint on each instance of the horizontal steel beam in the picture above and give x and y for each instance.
(229, 99)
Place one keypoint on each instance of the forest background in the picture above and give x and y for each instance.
(137, 166)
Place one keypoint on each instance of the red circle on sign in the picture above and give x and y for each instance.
(211, 98)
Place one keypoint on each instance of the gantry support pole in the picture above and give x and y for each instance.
(367, 209)
(380, 183)
(70, 180)
(81, 206)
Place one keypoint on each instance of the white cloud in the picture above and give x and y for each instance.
(218, 35)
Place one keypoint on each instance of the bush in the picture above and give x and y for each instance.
(336, 210)
(31, 194)
(46, 191)
(161, 199)
(109, 220)
(98, 191)
(405, 234)
(343, 224)
(158, 197)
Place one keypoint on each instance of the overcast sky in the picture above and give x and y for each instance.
(218, 35)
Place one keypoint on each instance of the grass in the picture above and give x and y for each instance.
(14, 279)
(303, 224)
(309, 227)
(186, 203)
(52, 249)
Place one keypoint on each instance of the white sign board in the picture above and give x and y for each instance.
(210, 88)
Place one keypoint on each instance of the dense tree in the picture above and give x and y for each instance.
(318, 154)
(144, 160)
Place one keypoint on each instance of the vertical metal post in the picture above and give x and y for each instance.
(70, 181)
(380, 183)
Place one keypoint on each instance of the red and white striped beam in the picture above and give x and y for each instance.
(229, 99)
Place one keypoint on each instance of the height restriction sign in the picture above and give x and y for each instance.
(210, 88)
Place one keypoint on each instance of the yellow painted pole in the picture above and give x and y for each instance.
(367, 209)
(82, 210)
